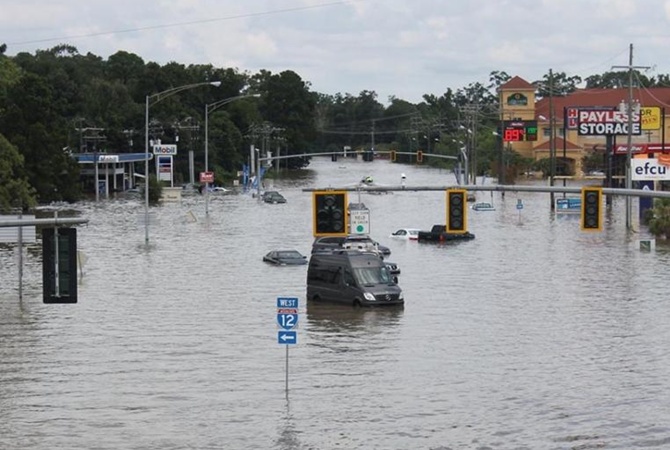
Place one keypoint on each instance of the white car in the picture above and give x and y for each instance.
(406, 234)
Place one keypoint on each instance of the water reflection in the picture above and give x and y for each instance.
(532, 335)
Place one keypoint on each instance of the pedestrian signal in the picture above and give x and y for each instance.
(592, 209)
(330, 213)
(457, 220)
(419, 156)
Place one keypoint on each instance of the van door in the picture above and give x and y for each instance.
(350, 289)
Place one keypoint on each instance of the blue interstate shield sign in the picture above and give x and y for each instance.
(287, 321)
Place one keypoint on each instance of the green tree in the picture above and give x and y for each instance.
(559, 84)
(15, 191)
(658, 218)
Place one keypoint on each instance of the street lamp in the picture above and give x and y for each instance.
(468, 149)
(155, 98)
(208, 109)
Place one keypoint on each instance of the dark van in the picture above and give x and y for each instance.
(352, 277)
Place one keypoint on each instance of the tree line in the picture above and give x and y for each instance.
(57, 102)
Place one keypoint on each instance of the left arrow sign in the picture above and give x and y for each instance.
(287, 337)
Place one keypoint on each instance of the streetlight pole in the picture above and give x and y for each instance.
(157, 98)
(208, 109)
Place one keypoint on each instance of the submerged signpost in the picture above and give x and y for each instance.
(287, 319)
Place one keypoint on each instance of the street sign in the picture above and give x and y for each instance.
(287, 302)
(287, 321)
(287, 337)
(569, 205)
(519, 204)
(359, 221)
(207, 177)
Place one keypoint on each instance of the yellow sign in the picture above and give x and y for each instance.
(650, 118)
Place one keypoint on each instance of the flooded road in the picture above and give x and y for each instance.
(534, 335)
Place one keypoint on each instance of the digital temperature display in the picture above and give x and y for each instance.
(520, 130)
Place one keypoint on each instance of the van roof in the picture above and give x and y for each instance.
(355, 257)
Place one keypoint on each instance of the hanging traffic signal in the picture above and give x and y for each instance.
(330, 213)
(457, 219)
(419, 156)
(59, 265)
(592, 208)
(393, 155)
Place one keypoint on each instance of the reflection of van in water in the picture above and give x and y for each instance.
(351, 277)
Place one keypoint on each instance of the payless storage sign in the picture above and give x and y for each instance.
(600, 122)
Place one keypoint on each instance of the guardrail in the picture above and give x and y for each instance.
(498, 188)
(53, 221)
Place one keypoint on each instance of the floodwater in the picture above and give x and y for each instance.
(534, 335)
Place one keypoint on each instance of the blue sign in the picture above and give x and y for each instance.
(287, 302)
(569, 204)
(287, 321)
(519, 204)
(287, 337)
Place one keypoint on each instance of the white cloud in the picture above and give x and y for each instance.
(394, 47)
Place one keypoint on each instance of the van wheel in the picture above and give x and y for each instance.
(357, 304)
(316, 298)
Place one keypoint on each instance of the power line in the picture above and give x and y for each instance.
(179, 24)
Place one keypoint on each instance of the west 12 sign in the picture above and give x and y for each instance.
(519, 130)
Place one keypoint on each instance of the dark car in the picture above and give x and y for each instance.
(285, 257)
(355, 241)
(273, 197)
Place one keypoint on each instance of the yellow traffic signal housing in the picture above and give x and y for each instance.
(592, 208)
(419, 156)
(457, 211)
(393, 155)
(330, 213)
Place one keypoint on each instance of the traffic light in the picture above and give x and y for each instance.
(419, 156)
(393, 156)
(457, 219)
(59, 265)
(592, 208)
(330, 213)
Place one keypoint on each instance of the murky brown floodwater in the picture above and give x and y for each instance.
(533, 336)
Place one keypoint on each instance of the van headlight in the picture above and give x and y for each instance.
(369, 297)
(401, 296)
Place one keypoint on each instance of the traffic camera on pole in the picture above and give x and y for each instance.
(330, 213)
(457, 220)
(592, 208)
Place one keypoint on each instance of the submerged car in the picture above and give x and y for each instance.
(353, 241)
(406, 234)
(273, 197)
(483, 206)
(285, 258)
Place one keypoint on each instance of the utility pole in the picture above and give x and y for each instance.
(552, 140)
(629, 142)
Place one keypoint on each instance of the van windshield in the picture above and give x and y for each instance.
(372, 275)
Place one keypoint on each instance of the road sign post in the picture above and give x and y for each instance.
(287, 319)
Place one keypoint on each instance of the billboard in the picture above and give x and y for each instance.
(606, 121)
(648, 169)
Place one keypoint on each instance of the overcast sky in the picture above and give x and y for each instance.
(401, 48)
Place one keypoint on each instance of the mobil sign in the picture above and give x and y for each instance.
(604, 121)
(165, 149)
